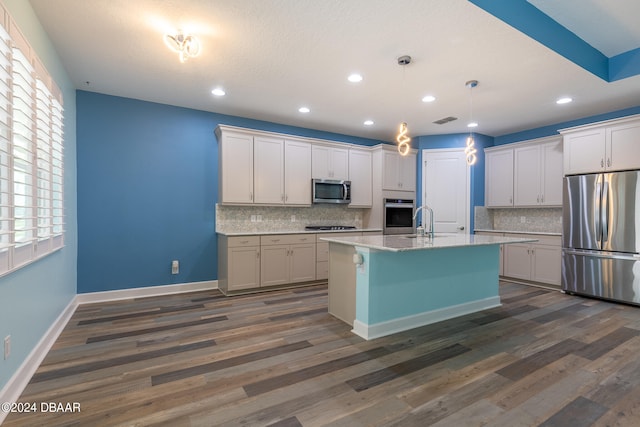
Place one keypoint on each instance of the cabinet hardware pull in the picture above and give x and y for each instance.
(542, 199)
(258, 254)
(244, 241)
(538, 199)
(250, 196)
(609, 162)
(601, 163)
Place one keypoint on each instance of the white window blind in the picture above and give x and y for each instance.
(31, 154)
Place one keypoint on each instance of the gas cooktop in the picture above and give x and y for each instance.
(329, 227)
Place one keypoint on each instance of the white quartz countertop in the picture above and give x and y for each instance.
(403, 243)
(271, 232)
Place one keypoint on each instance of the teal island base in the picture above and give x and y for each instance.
(382, 292)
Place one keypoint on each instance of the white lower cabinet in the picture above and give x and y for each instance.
(238, 263)
(322, 252)
(287, 258)
(536, 262)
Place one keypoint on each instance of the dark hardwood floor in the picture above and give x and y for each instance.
(279, 359)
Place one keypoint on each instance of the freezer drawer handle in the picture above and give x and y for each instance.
(603, 255)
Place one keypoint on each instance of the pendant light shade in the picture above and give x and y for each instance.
(470, 149)
(403, 138)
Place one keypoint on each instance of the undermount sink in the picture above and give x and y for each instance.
(427, 236)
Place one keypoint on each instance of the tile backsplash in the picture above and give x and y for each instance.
(237, 219)
(544, 220)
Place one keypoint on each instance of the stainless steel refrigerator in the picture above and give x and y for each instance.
(601, 235)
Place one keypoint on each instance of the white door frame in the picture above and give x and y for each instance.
(467, 205)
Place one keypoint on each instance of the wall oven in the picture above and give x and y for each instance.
(398, 216)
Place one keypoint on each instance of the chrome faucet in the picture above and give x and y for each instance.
(415, 214)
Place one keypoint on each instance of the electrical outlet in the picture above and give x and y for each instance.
(175, 266)
(253, 218)
(259, 218)
(293, 218)
(7, 347)
(523, 219)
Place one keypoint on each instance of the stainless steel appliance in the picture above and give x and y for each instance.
(331, 191)
(329, 227)
(601, 235)
(398, 216)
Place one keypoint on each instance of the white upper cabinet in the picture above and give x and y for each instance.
(604, 146)
(398, 172)
(524, 174)
(297, 172)
(268, 167)
(537, 178)
(330, 162)
(360, 177)
(499, 177)
(236, 166)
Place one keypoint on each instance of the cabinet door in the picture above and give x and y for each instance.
(269, 170)
(526, 178)
(584, 151)
(320, 162)
(339, 163)
(360, 177)
(244, 268)
(517, 261)
(546, 264)
(623, 146)
(499, 178)
(407, 172)
(297, 173)
(236, 166)
(302, 262)
(274, 265)
(390, 178)
(551, 174)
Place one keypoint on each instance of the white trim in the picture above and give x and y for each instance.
(377, 330)
(149, 291)
(17, 383)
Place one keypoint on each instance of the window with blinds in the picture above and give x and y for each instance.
(31, 154)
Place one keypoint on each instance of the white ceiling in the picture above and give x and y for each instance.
(273, 56)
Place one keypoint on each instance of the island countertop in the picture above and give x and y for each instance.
(401, 243)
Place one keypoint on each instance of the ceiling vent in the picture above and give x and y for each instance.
(445, 120)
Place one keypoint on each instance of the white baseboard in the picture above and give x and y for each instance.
(14, 388)
(149, 291)
(377, 330)
(16, 384)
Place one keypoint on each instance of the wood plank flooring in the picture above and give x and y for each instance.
(279, 359)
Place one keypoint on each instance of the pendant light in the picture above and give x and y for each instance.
(470, 150)
(403, 138)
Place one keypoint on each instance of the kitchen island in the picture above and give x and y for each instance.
(381, 285)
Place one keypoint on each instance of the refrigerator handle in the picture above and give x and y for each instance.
(604, 211)
(597, 217)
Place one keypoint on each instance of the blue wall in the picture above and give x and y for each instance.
(147, 189)
(33, 297)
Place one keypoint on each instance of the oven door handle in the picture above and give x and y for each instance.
(398, 205)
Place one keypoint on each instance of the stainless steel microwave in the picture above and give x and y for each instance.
(331, 191)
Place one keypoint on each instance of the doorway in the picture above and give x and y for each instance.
(445, 189)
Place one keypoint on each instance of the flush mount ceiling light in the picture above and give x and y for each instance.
(403, 138)
(470, 150)
(304, 109)
(186, 45)
(368, 122)
(355, 78)
(218, 92)
(428, 98)
(564, 100)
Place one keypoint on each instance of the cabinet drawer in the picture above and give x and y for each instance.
(542, 238)
(286, 239)
(320, 236)
(240, 241)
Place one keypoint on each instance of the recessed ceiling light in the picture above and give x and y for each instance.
(218, 92)
(472, 125)
(368, 122)
(429, 98)
(564, 100)
(355, 78)
(304, 109)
